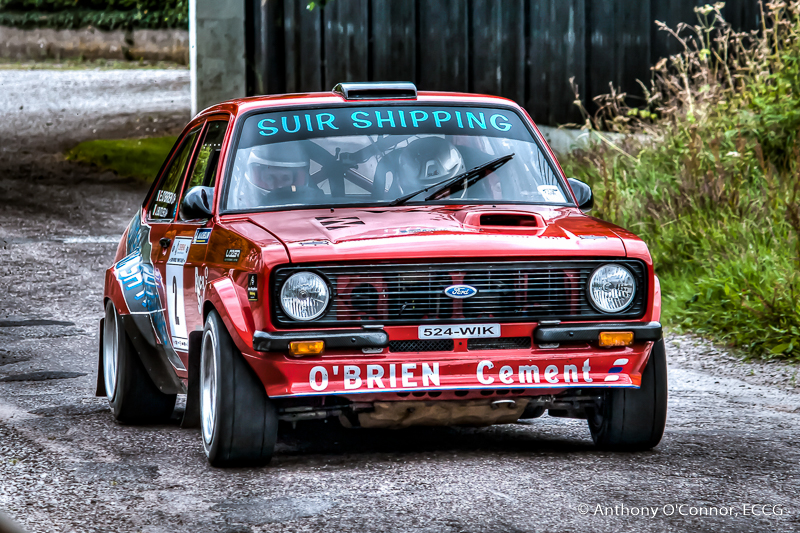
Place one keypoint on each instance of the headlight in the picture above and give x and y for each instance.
(611, 288)
(304, 296)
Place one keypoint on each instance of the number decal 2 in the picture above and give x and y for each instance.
(175, 290)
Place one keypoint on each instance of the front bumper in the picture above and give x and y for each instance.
(546, 369)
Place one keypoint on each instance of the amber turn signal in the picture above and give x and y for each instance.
(616, 338)
(301, 348)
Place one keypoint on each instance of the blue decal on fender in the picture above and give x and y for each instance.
(201, 236)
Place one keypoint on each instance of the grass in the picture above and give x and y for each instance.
(130, 158)
(86, 64)
(713, 188)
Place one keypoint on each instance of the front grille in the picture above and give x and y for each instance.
(414, 293)
(501, 343)
(436, 345)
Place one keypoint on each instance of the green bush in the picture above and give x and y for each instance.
(102, 14)
(708, 177)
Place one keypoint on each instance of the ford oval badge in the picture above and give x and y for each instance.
(460, 291)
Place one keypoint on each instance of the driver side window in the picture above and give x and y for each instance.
(164, 202)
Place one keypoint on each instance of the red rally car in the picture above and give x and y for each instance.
(385, 257)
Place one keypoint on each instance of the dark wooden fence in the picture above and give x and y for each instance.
(525, 50)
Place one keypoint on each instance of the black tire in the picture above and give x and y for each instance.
(238, 423)
(634, 419)
(132, 395)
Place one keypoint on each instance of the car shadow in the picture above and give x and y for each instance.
(320, 438)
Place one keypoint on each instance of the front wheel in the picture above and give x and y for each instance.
(634, 419)
(239, 424)
(132, 395)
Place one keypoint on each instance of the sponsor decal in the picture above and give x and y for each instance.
(232, 256)
(167, 197)
(175, 303)
(614, 372)
(282, 126)
(179, 251)
(143, 287)
(201, 236)
(433, 375)
(460, 291)
(200, 280)
(252, 287)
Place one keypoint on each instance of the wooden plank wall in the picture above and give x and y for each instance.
(525, 50)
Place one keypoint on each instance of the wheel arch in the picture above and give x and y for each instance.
(230, 302)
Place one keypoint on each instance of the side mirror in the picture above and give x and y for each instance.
(583, 193)
(196, 203)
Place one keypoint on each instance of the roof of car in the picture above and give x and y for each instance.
(242, 105)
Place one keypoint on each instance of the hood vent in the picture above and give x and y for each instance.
(376, 91)
(333, 223)
(504, 221)
(509, 220)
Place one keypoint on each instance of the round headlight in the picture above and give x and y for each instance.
(304, 296)
(611, 288)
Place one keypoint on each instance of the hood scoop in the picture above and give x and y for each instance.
(505, 221)
(333, 223)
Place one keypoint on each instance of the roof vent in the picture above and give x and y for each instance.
(377, 91)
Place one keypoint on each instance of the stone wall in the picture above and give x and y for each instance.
(91, 43)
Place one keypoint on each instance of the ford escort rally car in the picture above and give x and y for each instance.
(384, 257)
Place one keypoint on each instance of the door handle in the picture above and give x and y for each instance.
(164, 242)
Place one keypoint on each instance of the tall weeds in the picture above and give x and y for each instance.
(708, 176)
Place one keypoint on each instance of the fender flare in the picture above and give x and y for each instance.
(230, 301)
(656, 300)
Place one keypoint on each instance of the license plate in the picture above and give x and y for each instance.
(472, 331)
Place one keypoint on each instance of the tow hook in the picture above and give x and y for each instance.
(511, 404)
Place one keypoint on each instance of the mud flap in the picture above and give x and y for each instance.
(152, 355)
(101, 381)
(191, 415)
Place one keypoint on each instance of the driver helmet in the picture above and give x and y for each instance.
(273, 167)
(427, 161)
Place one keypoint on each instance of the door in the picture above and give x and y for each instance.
(185, 273)
(161, 213)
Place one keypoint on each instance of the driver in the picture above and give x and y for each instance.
(280, 173)
(427, 161)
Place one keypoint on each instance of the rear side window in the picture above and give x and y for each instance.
(205, 167)
(164, 202)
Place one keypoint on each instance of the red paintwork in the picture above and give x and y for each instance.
(456, 371)
(270, 239)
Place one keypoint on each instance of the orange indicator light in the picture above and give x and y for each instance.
(616, 338)
(301, 348)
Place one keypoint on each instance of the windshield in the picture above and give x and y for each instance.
(377, 155)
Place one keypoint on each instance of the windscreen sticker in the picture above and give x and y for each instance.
(167, 197)
(285, 126)
(551, 193)
(201, 236)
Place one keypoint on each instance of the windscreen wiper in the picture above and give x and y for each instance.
(465, 179)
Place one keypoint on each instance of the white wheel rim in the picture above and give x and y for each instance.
(208, 392)
(110, 352)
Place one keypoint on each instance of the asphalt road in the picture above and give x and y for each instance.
(731, 443)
